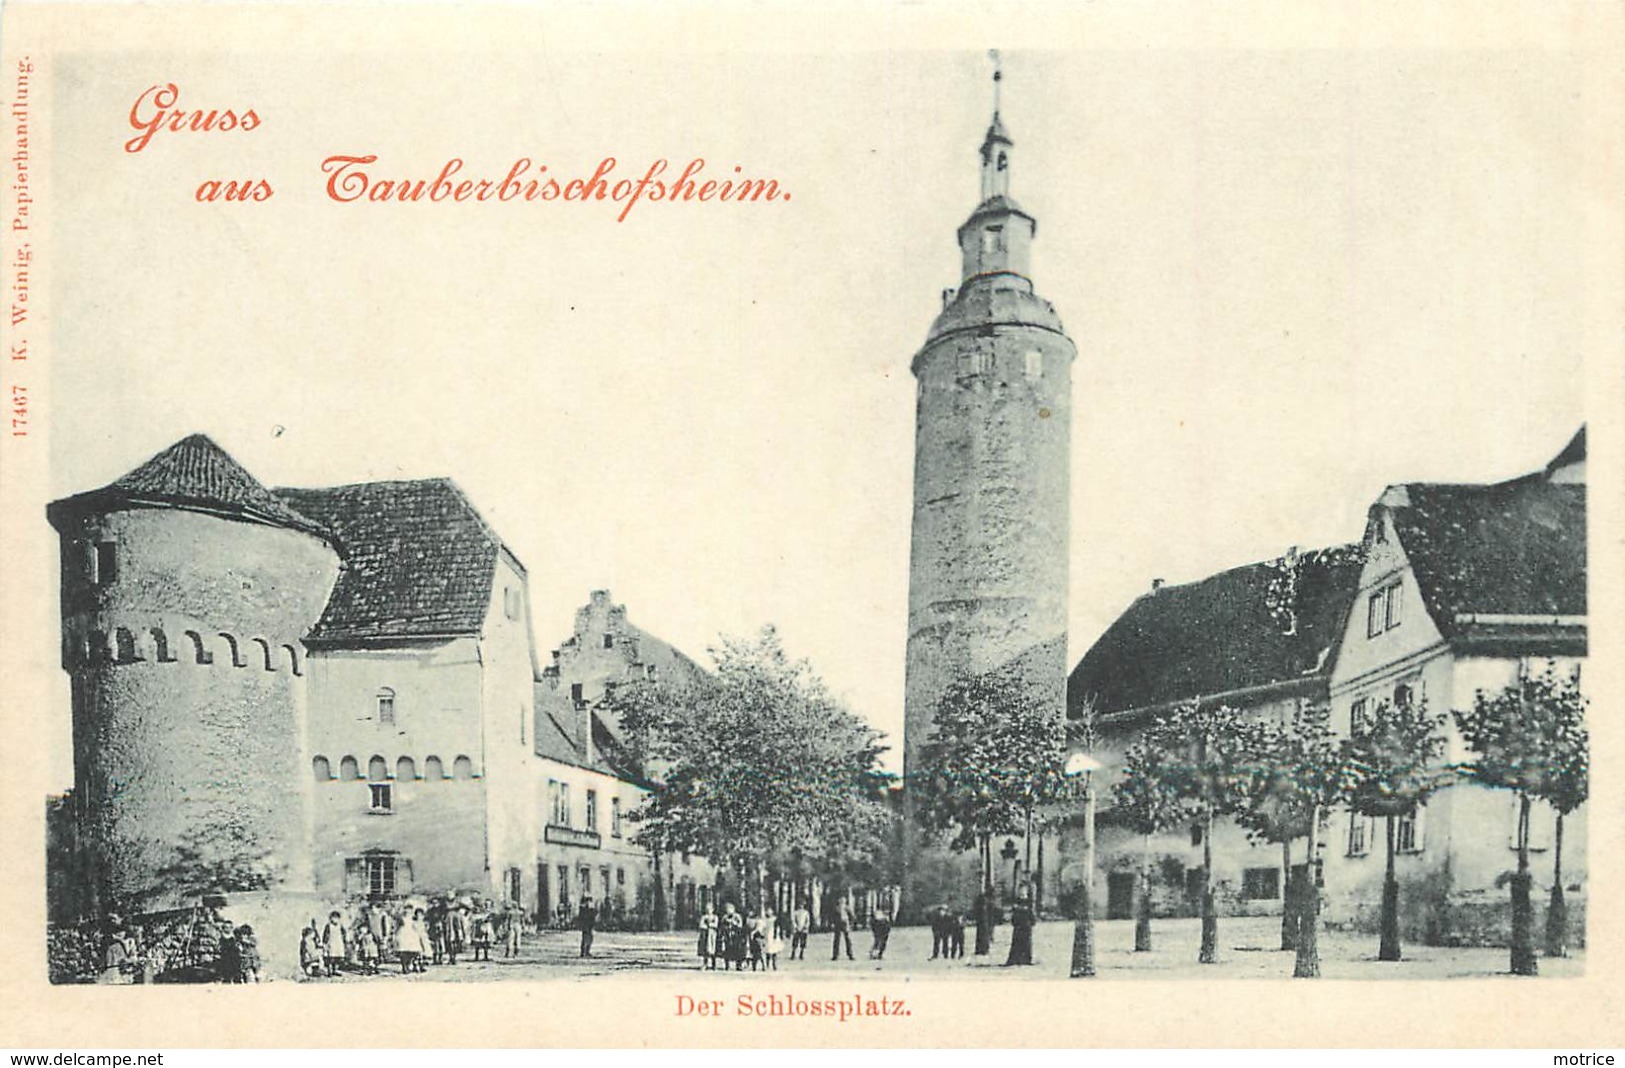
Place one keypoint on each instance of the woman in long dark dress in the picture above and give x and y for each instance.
(733, 937)
(1021, 931)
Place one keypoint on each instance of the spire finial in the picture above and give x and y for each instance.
(998, 76)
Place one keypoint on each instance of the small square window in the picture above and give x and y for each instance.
(1408, 832)
(1357, 835)
(380, 796)
(380, 873)
(1261, 884)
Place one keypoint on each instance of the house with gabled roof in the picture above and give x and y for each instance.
(594, 781)
(1262, 637)
(330, 692)
(1454, 588)
(1465, 587)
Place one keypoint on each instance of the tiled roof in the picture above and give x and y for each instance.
(558, 737)
(1254, 626)
(1514, 548)
(195, 472)
(417, 559)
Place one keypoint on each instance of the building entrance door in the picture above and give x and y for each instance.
(1120, 895)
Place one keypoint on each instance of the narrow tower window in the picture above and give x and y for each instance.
(1035, 364)
(106, 563)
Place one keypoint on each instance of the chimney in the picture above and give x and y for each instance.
(584, 714)
(1291, 555)
(1156, 584)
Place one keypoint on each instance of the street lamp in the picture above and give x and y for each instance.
(1083, 931)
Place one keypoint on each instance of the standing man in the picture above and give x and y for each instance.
(880, 925)
(843, 930)
(587, 917)
(800, 926)
(457, 932)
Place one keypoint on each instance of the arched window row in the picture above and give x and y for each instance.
(126, 645)
(378, 769)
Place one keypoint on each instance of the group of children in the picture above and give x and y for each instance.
(947, 933)
(411, 935)
(735, 940)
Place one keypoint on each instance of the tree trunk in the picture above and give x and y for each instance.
(1523, 909)
(984, 901)
(1557, 910)
(1388, 949)
(1210, 907)
(1289, 899)
(1026, 849)
(1307, 965)
(658, 920)
(1038, 880)
(1142, 915)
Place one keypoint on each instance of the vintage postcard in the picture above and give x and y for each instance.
(701, 525)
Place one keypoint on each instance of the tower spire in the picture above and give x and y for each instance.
(997, 144)
(998, 76)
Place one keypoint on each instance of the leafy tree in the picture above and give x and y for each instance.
(1530, 738)
(755, 762)
(1389, 771)
(1197, 760)
(1297, 775)
(995, 753)
(213, 858)
(1141, 803)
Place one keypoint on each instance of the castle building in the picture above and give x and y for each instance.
(989, 564)
(1453, 589)
(332, 692)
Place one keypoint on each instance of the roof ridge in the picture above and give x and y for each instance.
(196, 471)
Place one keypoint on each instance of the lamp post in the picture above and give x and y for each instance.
(1083, 931)
(1008, 853)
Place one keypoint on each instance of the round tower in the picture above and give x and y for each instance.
(186, 590)
(988, 571)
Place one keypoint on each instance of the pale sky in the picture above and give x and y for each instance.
(1293, 278)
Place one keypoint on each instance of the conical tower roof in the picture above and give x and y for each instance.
(196, 473)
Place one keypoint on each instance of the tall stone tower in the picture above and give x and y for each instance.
(187, 588)
(988, 568)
